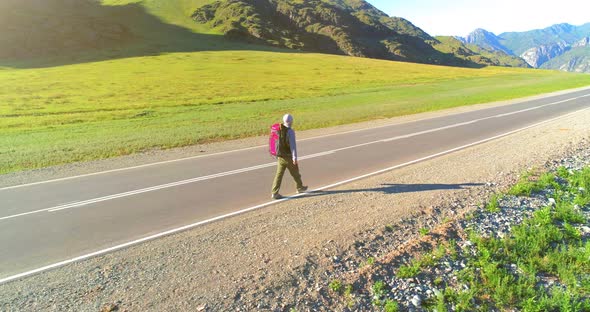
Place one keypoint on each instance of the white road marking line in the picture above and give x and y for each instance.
(237, 171)
(189, 226)
(22, 214)
(243, 149)
(315, 155)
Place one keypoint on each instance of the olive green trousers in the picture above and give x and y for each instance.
(282, 165)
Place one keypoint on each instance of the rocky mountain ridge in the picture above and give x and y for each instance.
(485, 40)
(537, 56)
(343, 27)
(348, 27)
(584, 42)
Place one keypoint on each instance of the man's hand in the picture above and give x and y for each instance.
(295, 162)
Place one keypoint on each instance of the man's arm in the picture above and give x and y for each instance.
(293, 144)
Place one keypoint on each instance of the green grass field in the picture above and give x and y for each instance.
(158, 80)
(103, 109)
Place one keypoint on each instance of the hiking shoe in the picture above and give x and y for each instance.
(302, 189)
(276, 196)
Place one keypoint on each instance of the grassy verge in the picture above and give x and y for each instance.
(89, 111)
(508, 273)
(543, 264)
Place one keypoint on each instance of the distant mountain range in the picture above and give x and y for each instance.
(562, 47)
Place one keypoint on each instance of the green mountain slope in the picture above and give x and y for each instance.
(474, 54)
(350, 27)
(61, 26)
(176, 12)
(53, 32)
(499, 58)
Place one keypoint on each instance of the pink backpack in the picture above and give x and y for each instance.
(273, 140)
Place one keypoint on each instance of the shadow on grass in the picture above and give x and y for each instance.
(399, 188)
(46, 33)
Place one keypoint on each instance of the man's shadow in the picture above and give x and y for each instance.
(388, 188)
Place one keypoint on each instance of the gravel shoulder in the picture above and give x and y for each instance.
(285, 255)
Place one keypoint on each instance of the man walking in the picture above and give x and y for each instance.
(287, 158)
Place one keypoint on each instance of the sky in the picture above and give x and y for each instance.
(460, 17)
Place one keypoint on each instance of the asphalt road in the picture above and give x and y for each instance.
(52, 223)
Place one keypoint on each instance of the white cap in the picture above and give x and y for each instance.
(288, 119)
